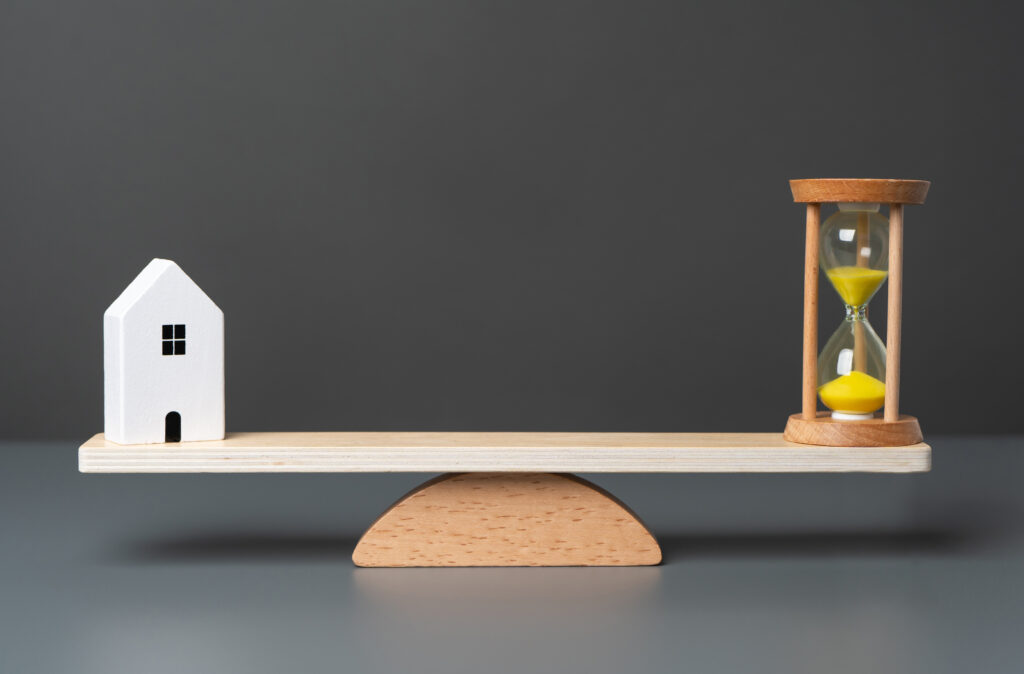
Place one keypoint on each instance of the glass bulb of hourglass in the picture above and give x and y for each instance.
(854, 257)
(851, 369)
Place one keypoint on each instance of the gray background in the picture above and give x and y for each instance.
(479, 215)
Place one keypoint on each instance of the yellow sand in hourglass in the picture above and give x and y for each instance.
(854, 393)
(856, 285)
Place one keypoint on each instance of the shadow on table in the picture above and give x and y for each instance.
(899, 543)
(212, 546)
(234, 547)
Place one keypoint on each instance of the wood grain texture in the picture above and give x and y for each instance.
(810, 365)
(491, 452)
(507, 519)
(826, 431)
(860, 346)
(894, 324)
(859, 190)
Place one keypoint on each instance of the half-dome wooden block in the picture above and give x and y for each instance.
(507, 519)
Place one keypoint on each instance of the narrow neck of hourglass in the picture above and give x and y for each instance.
(857, 313)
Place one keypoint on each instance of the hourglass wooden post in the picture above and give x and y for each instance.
(860, 250)
(894, 327)
(810, 397)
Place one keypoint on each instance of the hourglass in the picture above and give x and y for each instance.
(855, 375)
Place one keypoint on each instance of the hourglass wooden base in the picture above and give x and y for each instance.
(824, 430)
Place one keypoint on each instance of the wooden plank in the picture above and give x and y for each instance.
(498, 452)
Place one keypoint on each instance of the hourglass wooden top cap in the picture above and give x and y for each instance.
(859, 190)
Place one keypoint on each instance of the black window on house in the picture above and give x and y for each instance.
(173, 342)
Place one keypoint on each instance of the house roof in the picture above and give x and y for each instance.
(147, 278)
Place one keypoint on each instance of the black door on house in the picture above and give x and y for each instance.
(172, 427)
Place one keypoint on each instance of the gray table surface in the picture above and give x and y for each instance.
(763, 573)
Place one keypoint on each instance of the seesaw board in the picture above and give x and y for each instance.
(498, 452)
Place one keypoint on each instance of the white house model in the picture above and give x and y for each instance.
(163, 360)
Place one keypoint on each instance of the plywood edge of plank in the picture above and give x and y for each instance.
(440, 452)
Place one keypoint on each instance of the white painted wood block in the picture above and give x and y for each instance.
(163, 354)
